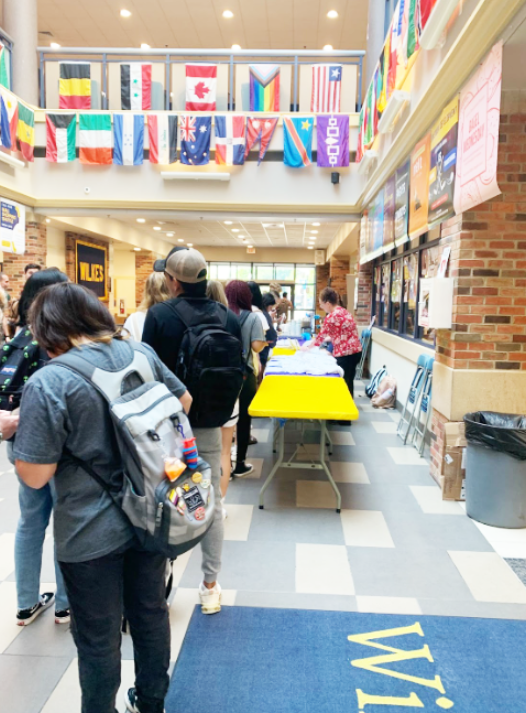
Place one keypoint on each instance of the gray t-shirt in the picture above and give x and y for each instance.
(251, 331)
(60, 410)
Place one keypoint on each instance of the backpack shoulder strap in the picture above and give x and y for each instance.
(245, 314)
(188, 316)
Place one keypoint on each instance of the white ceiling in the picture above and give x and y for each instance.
(257, 24)
(215, 233)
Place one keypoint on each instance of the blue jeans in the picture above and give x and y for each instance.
(36, 507)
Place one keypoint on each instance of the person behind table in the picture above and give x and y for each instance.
(185, 270)
(64, 420)
(253, 337)
(340, 329)
(36, 506)
(155, 291)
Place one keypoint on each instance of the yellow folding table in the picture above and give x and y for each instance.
(317, 398)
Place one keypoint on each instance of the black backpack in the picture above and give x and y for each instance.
(20, 359)
(210, 365)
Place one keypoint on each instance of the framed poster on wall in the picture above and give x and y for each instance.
(91, 268)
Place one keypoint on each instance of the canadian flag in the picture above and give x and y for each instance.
(201, 87)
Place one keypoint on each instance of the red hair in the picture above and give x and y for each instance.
(239, 296)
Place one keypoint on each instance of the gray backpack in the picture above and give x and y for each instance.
(169, 517)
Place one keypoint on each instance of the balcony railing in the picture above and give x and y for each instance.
(169, 94)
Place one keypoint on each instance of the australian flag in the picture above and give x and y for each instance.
(195, 134)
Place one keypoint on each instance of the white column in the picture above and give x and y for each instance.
(20, 22)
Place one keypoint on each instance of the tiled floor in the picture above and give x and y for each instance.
(396, 547)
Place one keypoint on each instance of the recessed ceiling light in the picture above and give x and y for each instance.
(141, 220)
(145, 46)
(235, 230)
(228, 14)
(316, 225)
(328, 48)
(48, 220)
(311, 247)
(228, 222)
(190, 245)
(156, 227)
(54, 45)
(250, 246)
(137, 250)
(246, 242)
(125, 13)
(180, 240)
(169, 235)
(332, 14)
(236, 48)
(314, 232)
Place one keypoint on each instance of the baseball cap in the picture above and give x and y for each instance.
(184, 264)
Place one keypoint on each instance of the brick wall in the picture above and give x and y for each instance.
(143, 269)
(362, 312)
(36, 251)
(338, 271)
(71, 239)
(322, 281)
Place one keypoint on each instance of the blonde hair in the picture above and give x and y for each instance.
(215, 291)
(155, 291)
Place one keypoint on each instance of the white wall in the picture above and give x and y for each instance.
(56, 248)
(124, 279)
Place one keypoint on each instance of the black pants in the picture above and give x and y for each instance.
(349, 364)
(99, 591)
(243, 426)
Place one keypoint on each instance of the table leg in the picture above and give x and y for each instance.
(323, 436)
(277, 465)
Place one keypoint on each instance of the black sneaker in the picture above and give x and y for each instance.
(242, 469)
(24, 617)
(130, 698)
(62, 617)
(252, 441)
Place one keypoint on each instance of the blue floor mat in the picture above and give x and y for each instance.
(248, 660)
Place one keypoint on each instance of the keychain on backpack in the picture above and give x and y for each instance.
(190, 453)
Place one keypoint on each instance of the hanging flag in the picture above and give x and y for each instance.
(230, 140)
(412, 29)
(4, 67)
(201, 87)
(26, 131)
(326, 88)
(136, 86)
(262, 131)
(384, 98)
(128, 139)
(264, 87)
(333, 141)
(425, 8)
(359, 149)
(368, 133)
(11, 106)
(195, 140)
(61, 135)
(162, 133)
(5, 128)
(396, 38)
(75, 85)
(298, 141)
(95, 139)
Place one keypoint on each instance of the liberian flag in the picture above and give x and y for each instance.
(298, 141)
(61, 135)
(11, 106)
(136, 86)
(95, 139)
(162, 132)
(128, 139)
(326, 88)
(201, 87)
(261, 130)
(230, 140)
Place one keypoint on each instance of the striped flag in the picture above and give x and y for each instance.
(61, 136)
(95, 139)
(75, 85)
(11, 105)
(128, 139)
(297, 140)
(264, 87)
(26, 131)
(162, 134)
(326, 88)
(136, 86)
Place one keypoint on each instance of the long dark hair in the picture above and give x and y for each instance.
(36, 283)
(239, 296)
(257, 297)
(62, 315)
(268, 300)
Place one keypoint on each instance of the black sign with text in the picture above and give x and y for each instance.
(92, 272)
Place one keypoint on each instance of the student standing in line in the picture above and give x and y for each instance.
(240, 302)
(165, 327)
(155, 291)
(269, 309)
(63, 420)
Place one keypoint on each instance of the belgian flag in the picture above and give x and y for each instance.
(75, 85)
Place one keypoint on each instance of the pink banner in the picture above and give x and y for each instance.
(478, 134)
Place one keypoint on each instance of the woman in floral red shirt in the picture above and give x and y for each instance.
(340, 328)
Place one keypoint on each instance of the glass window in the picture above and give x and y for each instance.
(385, 296)
(377, 296)
(304, 296)
(223, 271)
(305, 275)
(212, 271)
(396, 294)
(410, 293)
(264, 272)
(241, 271)
(284, 273)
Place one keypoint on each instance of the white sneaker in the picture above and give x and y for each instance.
(223, 509)
(210, 599)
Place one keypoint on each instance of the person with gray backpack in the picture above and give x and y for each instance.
(107, 421)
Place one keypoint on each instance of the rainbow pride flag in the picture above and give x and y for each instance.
(264, 87)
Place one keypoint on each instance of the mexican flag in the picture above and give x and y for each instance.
(95, 139)
(61, 134)
(26, 131)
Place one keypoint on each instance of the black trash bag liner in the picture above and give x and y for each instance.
(502, 432)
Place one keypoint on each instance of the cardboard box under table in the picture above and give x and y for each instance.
(313, 398)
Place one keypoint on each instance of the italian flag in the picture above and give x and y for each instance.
(95, 139)
(61, 134)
